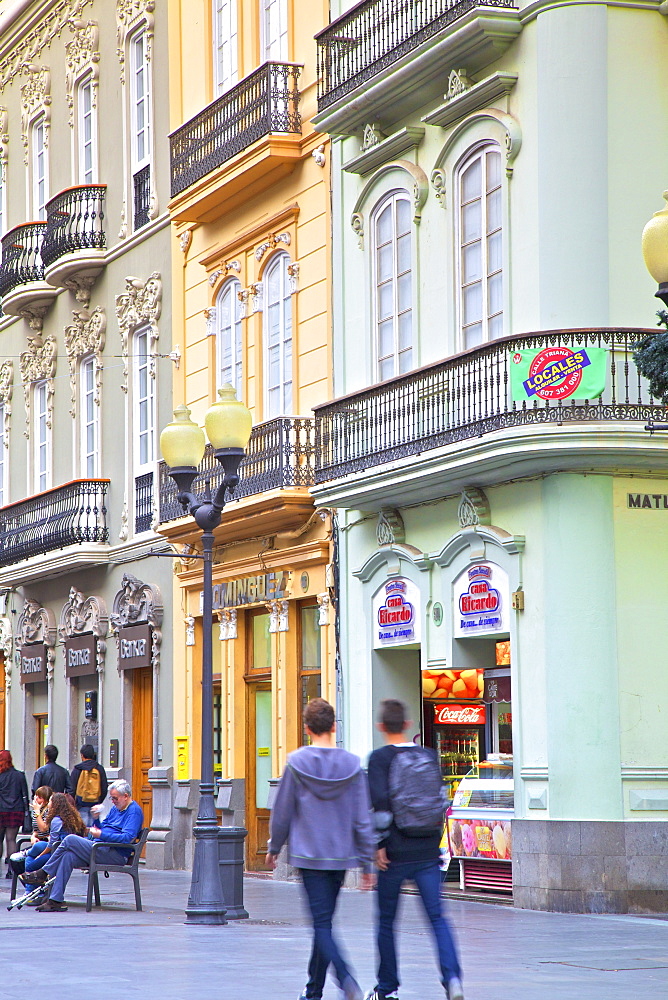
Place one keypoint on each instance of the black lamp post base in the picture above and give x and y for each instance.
(206, 904)
(662, 293)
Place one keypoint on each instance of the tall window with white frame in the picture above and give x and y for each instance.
(393, 285)
(274, 17)
(3, 456)
(39, 165)
(143, 430)
(41, 437)
(140, 114)
(3, 199)
(228, 336)
(89, 427)
(278, 337)
(225, 40)
(86, 132)
(480, 246)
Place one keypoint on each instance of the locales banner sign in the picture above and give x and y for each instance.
(557, 373)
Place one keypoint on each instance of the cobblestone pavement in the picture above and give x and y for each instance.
(507, 954)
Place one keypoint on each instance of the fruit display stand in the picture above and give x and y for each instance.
(479, 826)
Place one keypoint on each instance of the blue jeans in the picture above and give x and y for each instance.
(74, 852)
(322, 889)
(427, 877)
(33, 859)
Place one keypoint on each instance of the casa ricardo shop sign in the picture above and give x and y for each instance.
(33, 663)
(396, 613)
(459, 715)
(481, 601)
(80, 656)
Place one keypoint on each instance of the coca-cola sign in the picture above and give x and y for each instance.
(459, 715)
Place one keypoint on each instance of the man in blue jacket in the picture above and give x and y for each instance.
(322, 810)
(121, 826)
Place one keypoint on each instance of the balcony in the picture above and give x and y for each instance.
(280, 457)
(258, 118)
(70, 515)
(454, 423)
(23, 290)
(383, 60)
(74, 245)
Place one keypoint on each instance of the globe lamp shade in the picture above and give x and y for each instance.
(228, 422)
(182, 442)
(655, 245)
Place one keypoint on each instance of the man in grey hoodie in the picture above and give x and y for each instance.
(322, 809)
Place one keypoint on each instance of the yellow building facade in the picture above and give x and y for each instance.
(251, 306)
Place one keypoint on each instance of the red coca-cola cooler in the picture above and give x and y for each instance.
(458, 736)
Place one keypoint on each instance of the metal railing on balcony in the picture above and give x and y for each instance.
(264, 102)
(74, 221)
(377, 33)
(281, 453)
(142, 197)
(468, 396)
(66, 515)
(143, 502)
(22, 256)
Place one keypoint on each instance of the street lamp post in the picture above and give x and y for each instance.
(182, 443)
(655, 255)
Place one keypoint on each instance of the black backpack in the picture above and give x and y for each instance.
(417, 792)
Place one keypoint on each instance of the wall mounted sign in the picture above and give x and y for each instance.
(33, 663)
(481, 601)
(437, 614)
(80, 655)
(396, 613)
(496, 689)
(459, 715)
(134, 647)
(557, 373)
(647, 501)
(250, 590)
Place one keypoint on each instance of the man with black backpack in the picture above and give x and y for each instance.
(409, 802)
(89, 780)
(52, 775)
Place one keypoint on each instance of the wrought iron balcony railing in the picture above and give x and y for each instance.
(21, 256)
(377, 33)
(142, 197)
(468, 396)
(143, 502)
(264, 102)
(280, 454)
(66, 515)
(74, 221)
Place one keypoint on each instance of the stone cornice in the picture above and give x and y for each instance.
(532, 10)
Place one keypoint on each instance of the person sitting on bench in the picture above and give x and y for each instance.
(121, 826)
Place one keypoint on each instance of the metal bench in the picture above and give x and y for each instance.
(131, 867)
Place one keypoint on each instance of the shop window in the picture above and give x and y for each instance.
(310, 661)
(259, 647)
(479, 189)
(393, 286)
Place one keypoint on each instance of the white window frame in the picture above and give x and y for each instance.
(144, 402)
(225, 45)
(4, 455)
(89, 420)
(282, 389)
(39, 167)
(140, 73)
(86, 86)
(229, 341)
(41, 437)
(3, 199)
(480, 153)
(274, 34)
(391, 201)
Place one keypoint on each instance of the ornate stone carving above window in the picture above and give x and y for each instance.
(278, 616)
(210, 315)
(82, 615)
(38, 362)
(38, 624)
(129, 15)
(474, 508)
(272, 241)
(416, 182)
(390, 528)
(86, 335)
(138, 603)
(139, 305)
(323, 609)
(190, 630)
(6, 392)
(292, 271)
(371, 136)
(227, 626)
(82, 57)
(458, 82)
(438, 182)
(224, 270)
(35, 102)
(4, 143)
(34, 42)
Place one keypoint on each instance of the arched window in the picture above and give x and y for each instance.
(393, 286)
(278, 337)
(228, 336)
(479, 188)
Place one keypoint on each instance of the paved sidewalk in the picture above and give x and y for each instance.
(507, 954)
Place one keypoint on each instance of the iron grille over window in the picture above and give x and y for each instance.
(143, 502)
(21, 256)
(74, 221)
(377, 33)
(266, 101)
(142, 196)
(67, 515)
(280, 454)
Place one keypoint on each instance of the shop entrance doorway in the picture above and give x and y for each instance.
(259, 745)
(142, 738)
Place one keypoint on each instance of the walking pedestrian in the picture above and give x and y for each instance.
(14, 804)
(322, 810)
(408, 803)
(52, 775)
